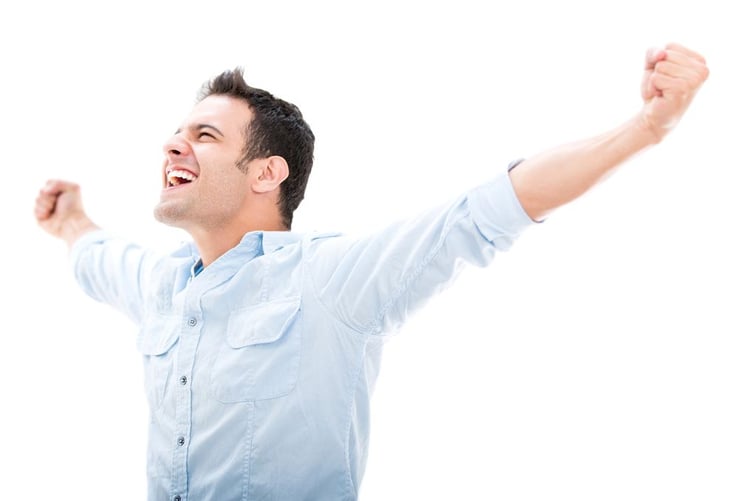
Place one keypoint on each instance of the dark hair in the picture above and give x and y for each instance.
(277, 128)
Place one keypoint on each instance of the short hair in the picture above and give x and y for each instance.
(277, 128)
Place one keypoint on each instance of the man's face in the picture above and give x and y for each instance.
(202, 187)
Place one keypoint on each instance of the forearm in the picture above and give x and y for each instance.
(555, 177)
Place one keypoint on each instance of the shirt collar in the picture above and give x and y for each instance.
(265, 242)
(260, 242)
(274, 240)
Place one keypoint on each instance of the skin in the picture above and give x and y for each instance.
(224, 202)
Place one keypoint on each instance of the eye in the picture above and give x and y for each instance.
(205, 134)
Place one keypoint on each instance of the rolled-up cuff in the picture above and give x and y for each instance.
(497, 212)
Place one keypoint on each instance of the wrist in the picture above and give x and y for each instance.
(650, 133)
(75, 227)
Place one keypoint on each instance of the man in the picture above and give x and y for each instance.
(261, 346)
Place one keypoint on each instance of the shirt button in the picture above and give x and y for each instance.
(180, 441)
(192, 322)
(183, 380)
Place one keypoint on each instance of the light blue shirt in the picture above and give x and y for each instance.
(259, 369)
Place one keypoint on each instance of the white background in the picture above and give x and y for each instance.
(595, 361)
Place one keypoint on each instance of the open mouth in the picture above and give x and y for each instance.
(177, 177)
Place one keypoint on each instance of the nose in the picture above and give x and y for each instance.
(176, 146)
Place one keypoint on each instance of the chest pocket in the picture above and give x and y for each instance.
(260, 358)
(155, 341)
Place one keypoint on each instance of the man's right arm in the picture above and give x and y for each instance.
(107, 269)
(60, 212)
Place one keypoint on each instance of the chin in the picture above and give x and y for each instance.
(169, 214)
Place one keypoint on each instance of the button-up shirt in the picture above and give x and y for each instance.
(259, 369)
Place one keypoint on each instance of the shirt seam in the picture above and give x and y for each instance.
(313, 288)
(350, 484)
(402, 289)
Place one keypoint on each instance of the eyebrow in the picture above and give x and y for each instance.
(198, 127)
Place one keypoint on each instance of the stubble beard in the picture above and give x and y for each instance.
(190, 214)
(170, 214)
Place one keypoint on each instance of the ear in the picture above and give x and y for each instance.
(272, 171)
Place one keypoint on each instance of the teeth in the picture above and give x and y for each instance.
(176, 177)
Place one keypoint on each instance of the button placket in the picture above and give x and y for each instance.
(191, 327)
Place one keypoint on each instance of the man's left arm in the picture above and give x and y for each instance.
(672, 77)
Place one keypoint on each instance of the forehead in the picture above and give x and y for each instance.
(224, 112)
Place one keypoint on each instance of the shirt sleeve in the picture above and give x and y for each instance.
(112, 271)
(373, 284)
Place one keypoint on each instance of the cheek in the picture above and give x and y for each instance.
(226, 183)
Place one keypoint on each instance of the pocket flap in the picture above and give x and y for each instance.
(158, 334)
(262, 323)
